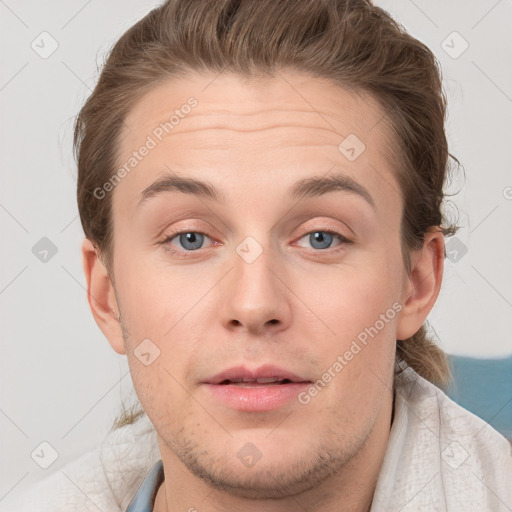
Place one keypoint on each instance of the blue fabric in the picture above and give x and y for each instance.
(144, 500)
(484, 387)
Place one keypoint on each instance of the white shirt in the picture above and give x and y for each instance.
(440, 457)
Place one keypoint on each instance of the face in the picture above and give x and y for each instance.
(270, 269)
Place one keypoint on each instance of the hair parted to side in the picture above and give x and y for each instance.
(351, 42)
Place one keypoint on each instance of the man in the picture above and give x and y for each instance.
(246, 251)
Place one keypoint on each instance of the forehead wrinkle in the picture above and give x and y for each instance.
(241, 127)
(237, 119)
(253, 130)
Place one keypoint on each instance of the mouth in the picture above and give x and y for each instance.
(261, 389)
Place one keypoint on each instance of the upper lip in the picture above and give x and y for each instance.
(242, 373)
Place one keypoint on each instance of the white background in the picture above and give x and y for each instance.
(60, 380)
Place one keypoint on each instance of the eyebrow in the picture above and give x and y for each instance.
(308, 187)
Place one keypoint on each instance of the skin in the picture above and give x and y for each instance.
(299, 305)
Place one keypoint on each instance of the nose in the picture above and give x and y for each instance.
(256, 295)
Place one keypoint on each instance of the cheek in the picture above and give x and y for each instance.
(148, 295)
(160, 306)
(351, 298)
(155, 388)
(360, 306)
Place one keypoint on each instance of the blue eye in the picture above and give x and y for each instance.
(189, 240)
(194, 239)
(322, 239)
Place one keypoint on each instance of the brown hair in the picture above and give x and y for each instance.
(351, 42)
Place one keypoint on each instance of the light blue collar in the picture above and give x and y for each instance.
(144, 500)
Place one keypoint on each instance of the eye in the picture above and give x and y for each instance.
(188, 240)
(322, 239)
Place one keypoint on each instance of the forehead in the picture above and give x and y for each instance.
(256, 102)
(248, 131)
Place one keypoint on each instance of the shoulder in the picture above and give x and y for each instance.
(449, 450)
(105, 478)
(432, 408)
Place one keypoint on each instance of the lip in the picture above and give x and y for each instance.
(254, 397)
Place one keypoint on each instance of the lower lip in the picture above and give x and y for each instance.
(257, 398)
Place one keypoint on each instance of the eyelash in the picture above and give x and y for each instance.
(344, 241)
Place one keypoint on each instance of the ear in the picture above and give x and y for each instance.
(421, 288)
(101, 297)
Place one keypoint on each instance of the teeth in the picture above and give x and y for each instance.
(262, 380)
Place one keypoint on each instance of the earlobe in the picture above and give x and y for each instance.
(101, 297)
(422, 286)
